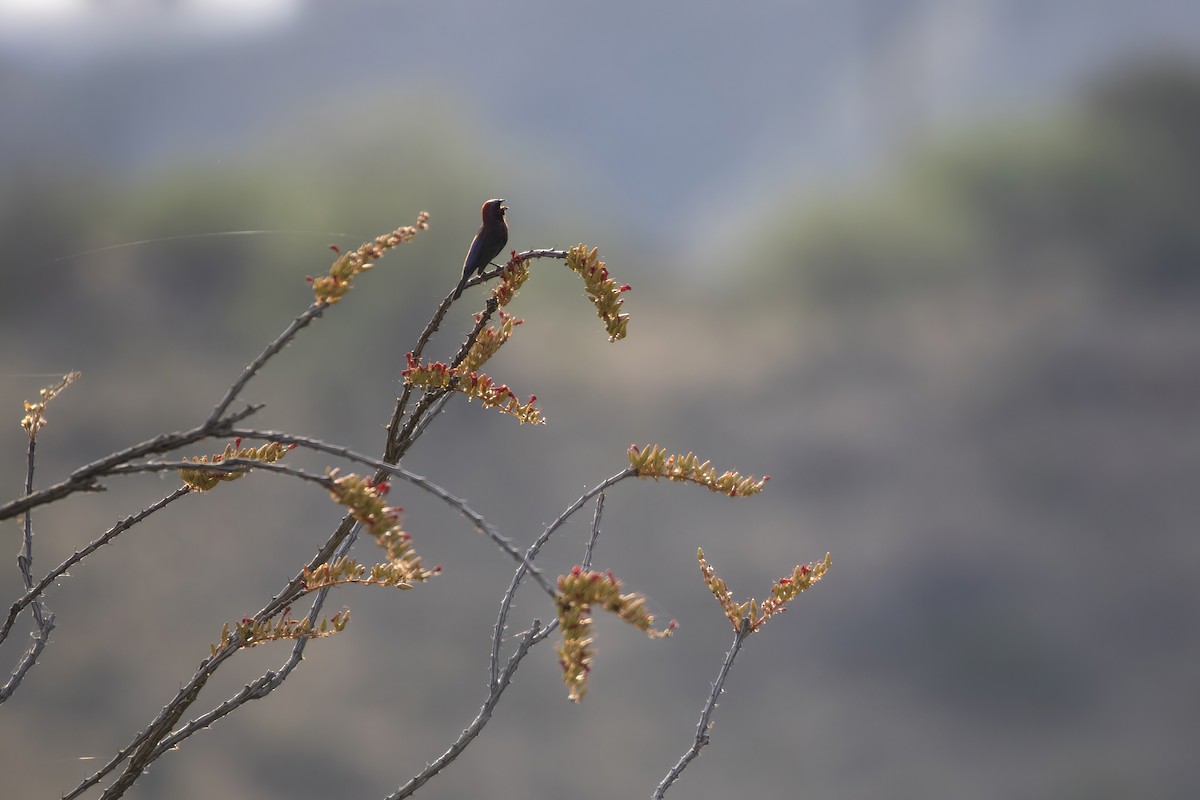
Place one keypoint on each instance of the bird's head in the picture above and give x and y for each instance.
(494, 210)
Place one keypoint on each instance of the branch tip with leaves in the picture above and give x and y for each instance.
(755, 613)
(578, 591)
(652, 461)
(333, 286)
(35, 418)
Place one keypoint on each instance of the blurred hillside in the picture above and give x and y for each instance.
(1103, 194)
(972, 378)
(671, 115)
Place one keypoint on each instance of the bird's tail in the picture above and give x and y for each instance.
(461, 285)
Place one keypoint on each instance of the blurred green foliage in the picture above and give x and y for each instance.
(1109, 188)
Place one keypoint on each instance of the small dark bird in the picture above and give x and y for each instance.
(487, 244)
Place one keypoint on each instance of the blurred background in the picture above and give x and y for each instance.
(930, 264)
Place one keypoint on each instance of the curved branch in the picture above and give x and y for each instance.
(79, 555)
(528, 639)
(264, 685)
(398, 443)
(481, 524)
(281, 341)
(705, 724)
(530, 555)
(86, 478)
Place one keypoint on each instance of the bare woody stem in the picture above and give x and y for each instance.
(705, 723)
(228, 465)
(87, 477)
(79, 555)
(148, 745)
(528, 639)
(281, 341)
(399, 443)
(477, 519)
(530, 556)
(265, 684)
(43, 619)
(399, 440)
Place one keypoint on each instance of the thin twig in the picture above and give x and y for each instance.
(529, 638)
(79, 555)
(43, 619)
(530, 556)
(434, 410)
(481, 524)
(25, 557)
(86, 478)
(139, 750)
(295, 587)
(587, 553)
(146, 746)
(400, 442)
(228, 465)
(268, 682)
(705, 724)
(143, 746)
(41, 638)
(422, 340)
(281, 341)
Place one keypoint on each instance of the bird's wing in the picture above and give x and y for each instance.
(473, 254)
